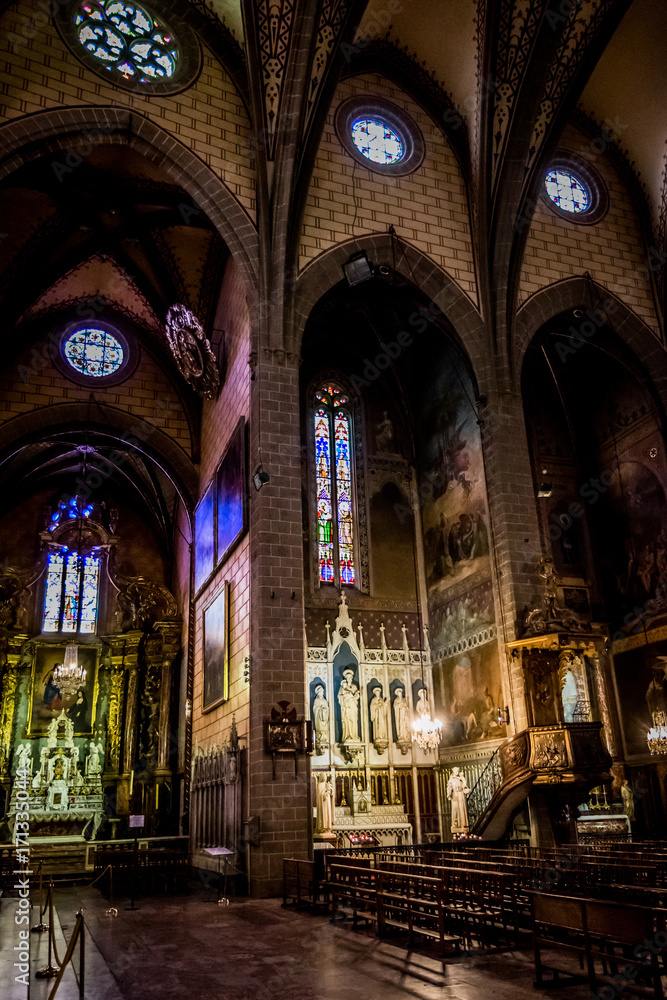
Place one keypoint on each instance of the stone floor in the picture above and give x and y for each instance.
(183, 947)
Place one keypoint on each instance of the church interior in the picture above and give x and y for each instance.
(333, 506)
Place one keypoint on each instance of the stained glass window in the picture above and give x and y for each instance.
(377, 141)
(567, 191)
(54, 590)
(127, 39)
(72, 592)
(335, 520)
(93, 352)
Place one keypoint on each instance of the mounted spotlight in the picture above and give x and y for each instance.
(544, 490)
(357, 268)
(260, 478)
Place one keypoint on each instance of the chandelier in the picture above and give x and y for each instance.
(68, 675)
(656, 737)
(426, 732)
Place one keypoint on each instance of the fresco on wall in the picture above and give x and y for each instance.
(468, 694)
(463, 617)
(454, 510)
(641, 682)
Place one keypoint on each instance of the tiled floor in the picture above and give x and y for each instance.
(182, 947)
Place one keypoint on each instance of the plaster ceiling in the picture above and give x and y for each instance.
(442, 34)
(629, 88)
(230, 12)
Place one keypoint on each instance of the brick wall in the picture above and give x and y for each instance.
(34, 381)
(277, 650)
(209, 116)
(219, 420)
(428, 207)
(610, 250)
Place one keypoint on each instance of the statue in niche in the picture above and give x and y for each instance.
(325, 812)
(24, 758)
(150, 700)
(320, 719)
(384, 437)
(378, 712)
(422, 707)
(52, 734)
(628, 797)
(93, 764)
(348, 699)
(457, 790)
(401, 717)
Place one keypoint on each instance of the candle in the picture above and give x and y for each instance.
(157, 793)
(131, 781)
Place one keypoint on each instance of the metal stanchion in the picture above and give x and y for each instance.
(49, 970)
(41, 926)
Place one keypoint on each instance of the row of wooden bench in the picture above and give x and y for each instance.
(602, 942)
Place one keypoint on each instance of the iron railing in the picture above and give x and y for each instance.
(485, 788)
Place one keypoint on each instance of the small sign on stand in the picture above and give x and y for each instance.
(220, 853)
(136, 824)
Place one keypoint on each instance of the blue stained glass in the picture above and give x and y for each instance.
(54, 586)
(567, 191)
(126, 38)
(93, 352)
(377, 141)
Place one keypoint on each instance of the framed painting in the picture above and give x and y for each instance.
(232, 501)
(205, 537)
(48, 700)
(216, 651)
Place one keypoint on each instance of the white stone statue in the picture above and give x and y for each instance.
(401, 717)
(24, 758)
(378, 709)
(422, 706)
(53, 734)
(93, 765)
(321, 716)
(457, 790)
(348, 699)
(325, 812)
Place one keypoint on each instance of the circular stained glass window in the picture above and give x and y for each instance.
(93, 352)
(567, 191)
(128, 40)
(377, 141)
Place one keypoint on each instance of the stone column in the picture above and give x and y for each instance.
(277, 652)
(515, 529)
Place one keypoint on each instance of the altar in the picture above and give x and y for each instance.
(66, 798)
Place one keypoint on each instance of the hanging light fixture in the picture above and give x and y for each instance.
(68, 675)
(426, 732)
(656, 737)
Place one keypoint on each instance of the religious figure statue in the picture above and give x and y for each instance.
(320, 719)
(378, 710)
(24, 758)
(384, 437)
(93, 765)
(348, 699)
(422, 706)
(457, 789)
(325, 813)
(401, 717)
(628, 797)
